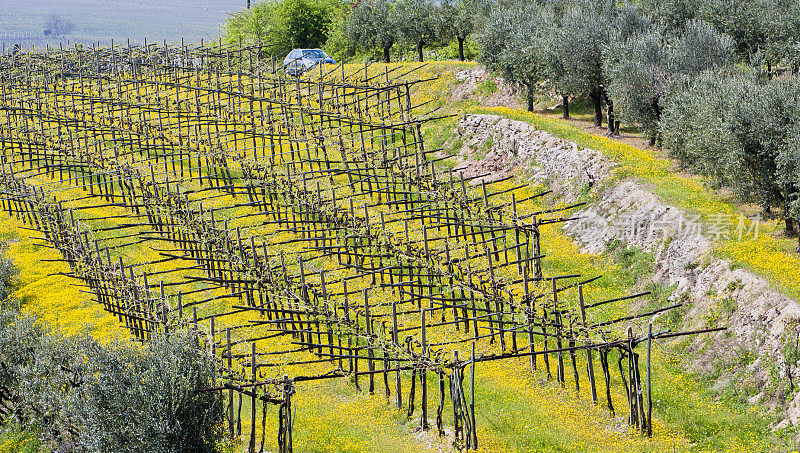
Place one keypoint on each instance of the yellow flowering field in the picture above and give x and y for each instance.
(516, 409)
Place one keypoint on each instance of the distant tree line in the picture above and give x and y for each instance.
(56, 25)
(380, 24)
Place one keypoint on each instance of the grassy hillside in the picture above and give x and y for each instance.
(690, 407)
(772, 255)
(517, 410)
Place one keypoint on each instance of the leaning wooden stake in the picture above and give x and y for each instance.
(589, 363)
(649, 381)
(473, 445)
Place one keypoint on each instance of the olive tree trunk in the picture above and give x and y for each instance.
(610, 112)
(460, 49)
(529, 96)
(386, 56)
(419, 50)
(657, 112)
(565, 105)
(597, 100)
(791, 230)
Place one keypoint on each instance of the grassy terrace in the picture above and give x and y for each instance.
(516, 410)
(771, 255)
(708, 421)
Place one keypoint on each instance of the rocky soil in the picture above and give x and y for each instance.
(626, 212)
(499, 146)
(472, 80)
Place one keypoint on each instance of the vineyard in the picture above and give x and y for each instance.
(305, 230)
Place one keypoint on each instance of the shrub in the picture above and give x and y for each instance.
(79, 394)
(147, 399)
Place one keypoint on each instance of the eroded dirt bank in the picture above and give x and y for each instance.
(624, 211)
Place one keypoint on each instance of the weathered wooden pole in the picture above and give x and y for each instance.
(253, 370)
(589, 364)
(649, 381)
(395, 338)
(370, 352)
(230, 391)
(474, 434)
(423, 377)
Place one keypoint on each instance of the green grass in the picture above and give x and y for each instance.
(12, 440)
(685, 404)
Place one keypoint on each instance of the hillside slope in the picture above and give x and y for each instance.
(725, 265)
(517, 409)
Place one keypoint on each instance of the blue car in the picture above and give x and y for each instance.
(301, 60)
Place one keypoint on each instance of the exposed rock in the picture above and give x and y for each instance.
(495, 145)
(505, 94)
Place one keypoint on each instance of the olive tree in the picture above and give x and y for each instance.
(741, 132)
(578, 55)
(642, 68)
(148, 399)
(417, 22)
(789, 176)
(782, 134)
(628, 22)
(559, 45)
(760, 28)
(82, 395)
(494, 37)
(639, 76)
(695, 130)
(372, 26)
(516, 44)
(671, 15)
(459, 18)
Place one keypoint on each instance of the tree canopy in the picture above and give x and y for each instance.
(750, 146)
(516, 43)
(283, 25)
(642, 68)
(372, 24)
